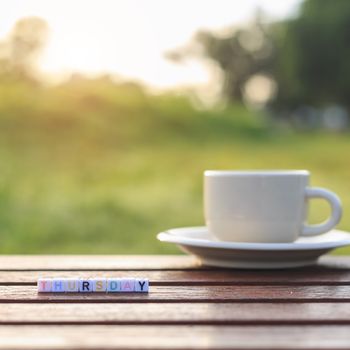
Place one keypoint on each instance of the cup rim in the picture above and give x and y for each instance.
(256, 172)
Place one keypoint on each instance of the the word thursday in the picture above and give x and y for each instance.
(93, 285)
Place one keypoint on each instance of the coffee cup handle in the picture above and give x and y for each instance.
(334, 201)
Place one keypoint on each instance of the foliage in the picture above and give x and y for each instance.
(308, 56)
(19, 52)
(240, 54)
(314, 56)
(245, 53)
(97, 167)
(94, 166)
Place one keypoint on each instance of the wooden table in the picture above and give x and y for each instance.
(188, 306)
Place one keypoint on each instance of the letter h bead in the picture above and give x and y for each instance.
(58, 285)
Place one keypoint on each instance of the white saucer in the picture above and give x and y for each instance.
(304, 251)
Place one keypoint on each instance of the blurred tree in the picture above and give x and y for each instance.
(313, 65)
(244, 54)
(19, 52)
(241, 54)
(307, 57)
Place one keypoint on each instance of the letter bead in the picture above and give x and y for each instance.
(58, 285)
(71, 285)
(127, 284)
(141, 285)
(99, 284)
(44, 285)
(113, 285)
(85, 286)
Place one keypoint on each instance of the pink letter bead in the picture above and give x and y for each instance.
(141, 285)
(127, 284)
(99, 284)
(58, 285)
(71, 285)
(85, 286)
(44, 285)
(113, 285)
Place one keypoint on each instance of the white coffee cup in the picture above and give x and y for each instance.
(263, 206)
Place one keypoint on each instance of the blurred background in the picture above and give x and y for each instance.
(110, 111)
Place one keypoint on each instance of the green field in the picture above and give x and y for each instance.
(90, 167)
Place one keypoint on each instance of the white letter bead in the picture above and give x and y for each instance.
(141, 285)
(44, 285)
(71, 285)
(99, 284)
(113, 285)
(127, 284)
(58, 285)
(85, 285)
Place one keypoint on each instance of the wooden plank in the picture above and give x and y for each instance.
(174, 337)
(122, 262)
(308, 276)
(96, 262)
(198, 294)
(181, 313)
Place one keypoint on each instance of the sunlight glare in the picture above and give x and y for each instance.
(128, 38)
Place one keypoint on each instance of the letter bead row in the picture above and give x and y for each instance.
(93, 285)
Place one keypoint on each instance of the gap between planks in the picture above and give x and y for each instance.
(176, 294)
(326, 274)
(122, 262)
(310, 276)
(176, 314)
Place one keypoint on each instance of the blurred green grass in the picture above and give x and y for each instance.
(94, 167)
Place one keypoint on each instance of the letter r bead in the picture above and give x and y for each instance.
(85, 286)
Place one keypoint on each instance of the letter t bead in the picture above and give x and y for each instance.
(44, 285)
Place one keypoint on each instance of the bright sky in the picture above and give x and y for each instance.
(129, 37)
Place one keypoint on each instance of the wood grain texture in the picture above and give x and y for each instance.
(122, 262)
(200, 294)
(318, 275)
(188, 307)
(174, 337)
(182, 313)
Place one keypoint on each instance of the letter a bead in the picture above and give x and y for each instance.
(127, 284)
